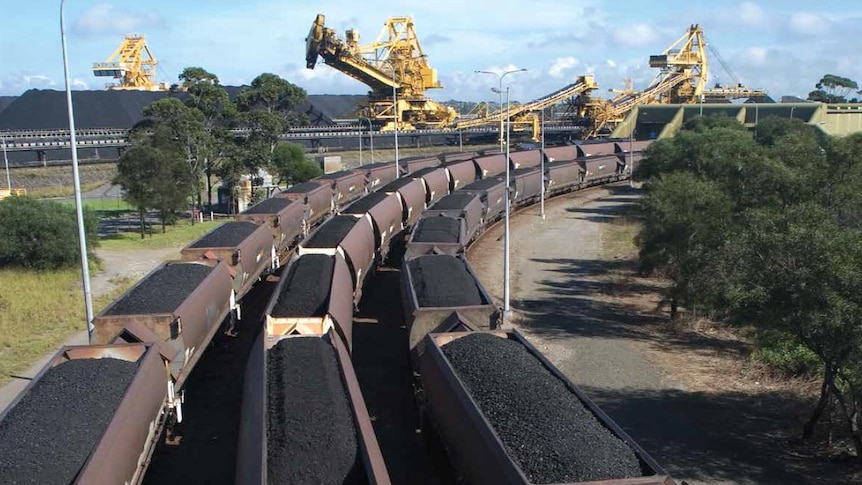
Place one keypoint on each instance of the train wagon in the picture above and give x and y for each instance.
(412, 164)
(91, 416)
(246, 247)
(526, 185)
(179, 306)
(436, 180)
(601, 169)
(601, 149)
(317, 196)
(352, 237)
(509, 416)
(564, 176)
(411, 192)
(347, 185)
(492, 192)
(460, 204)
(561, 153)
(313, 296)
(491, 165)
(457, 156)
(526, 158)
(386, 216)
(303, 416)
(379, 174)
(437, 234)
(285, 217)
(434, 287)
(461, 173)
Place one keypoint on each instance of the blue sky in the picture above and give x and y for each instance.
(781, 46)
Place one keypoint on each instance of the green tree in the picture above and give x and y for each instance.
(292, 165)
(42, 235)
(154, 178)
(835, 89)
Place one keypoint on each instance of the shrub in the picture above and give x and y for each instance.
(786, 355)
(41, 234)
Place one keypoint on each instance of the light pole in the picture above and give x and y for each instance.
(6, 159)
(542, 170)
(76, 178)
(791, 111)
(360, 144)
(370, 136)
(632, 156)
(395, 117)
(499, 91)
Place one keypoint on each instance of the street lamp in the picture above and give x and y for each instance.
(76, 178)
(370, 138)
(499, 91)
(360, 144)
(542, 170)
(6, 159)
(395, 117)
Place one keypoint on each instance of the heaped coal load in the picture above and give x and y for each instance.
(306, 291)
(331, 233)
(366, 203)
(544, 426)
(301, 188)
(272, 205)
(49, 434)
(453, 201)
(485, 184)
(162, 291)
(311, 432)
(228, 235)
(438, 229)
(443, 281)
(396, 184)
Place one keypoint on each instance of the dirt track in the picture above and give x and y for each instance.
(600, 329)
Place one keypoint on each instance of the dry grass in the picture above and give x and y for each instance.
(618, 239)
(57, 181)
(38, 312)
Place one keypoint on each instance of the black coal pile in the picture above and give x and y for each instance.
(438, 229)
(485, 184)
(454, 201)
(395, 185)
(331, 233)
(48, 436)
(272, 205)
(227, 235)
(5, 101)
(311, 434)
(366, 203)
(337, 105)
(545, 427)
(443, 281)
(162, 291)
(306, 291)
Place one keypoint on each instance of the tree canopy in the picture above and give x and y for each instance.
(835, 89)
(765, 232)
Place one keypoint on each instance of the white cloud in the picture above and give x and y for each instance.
(79, 84)
(561, 65)
(636, 35)
(105, 18)
(611, 63)
(750, 13)
(757, 55)
(807, 23)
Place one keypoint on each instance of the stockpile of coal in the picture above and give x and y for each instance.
(46, 109)
(227, 235)
(337, 105)
(302, 188)
(544, 426)
(48, 436)
(5, 101)
(272, 205)
(485, 184)
(443, 281)
(311, 433)
(438, 229)
(337, 175)
(306, 291)
(162, 291)
(366, 203)
(331, 233)
(453, 201)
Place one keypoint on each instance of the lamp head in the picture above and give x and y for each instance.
(496, 90)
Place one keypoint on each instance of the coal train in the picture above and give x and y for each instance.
(329, 233)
